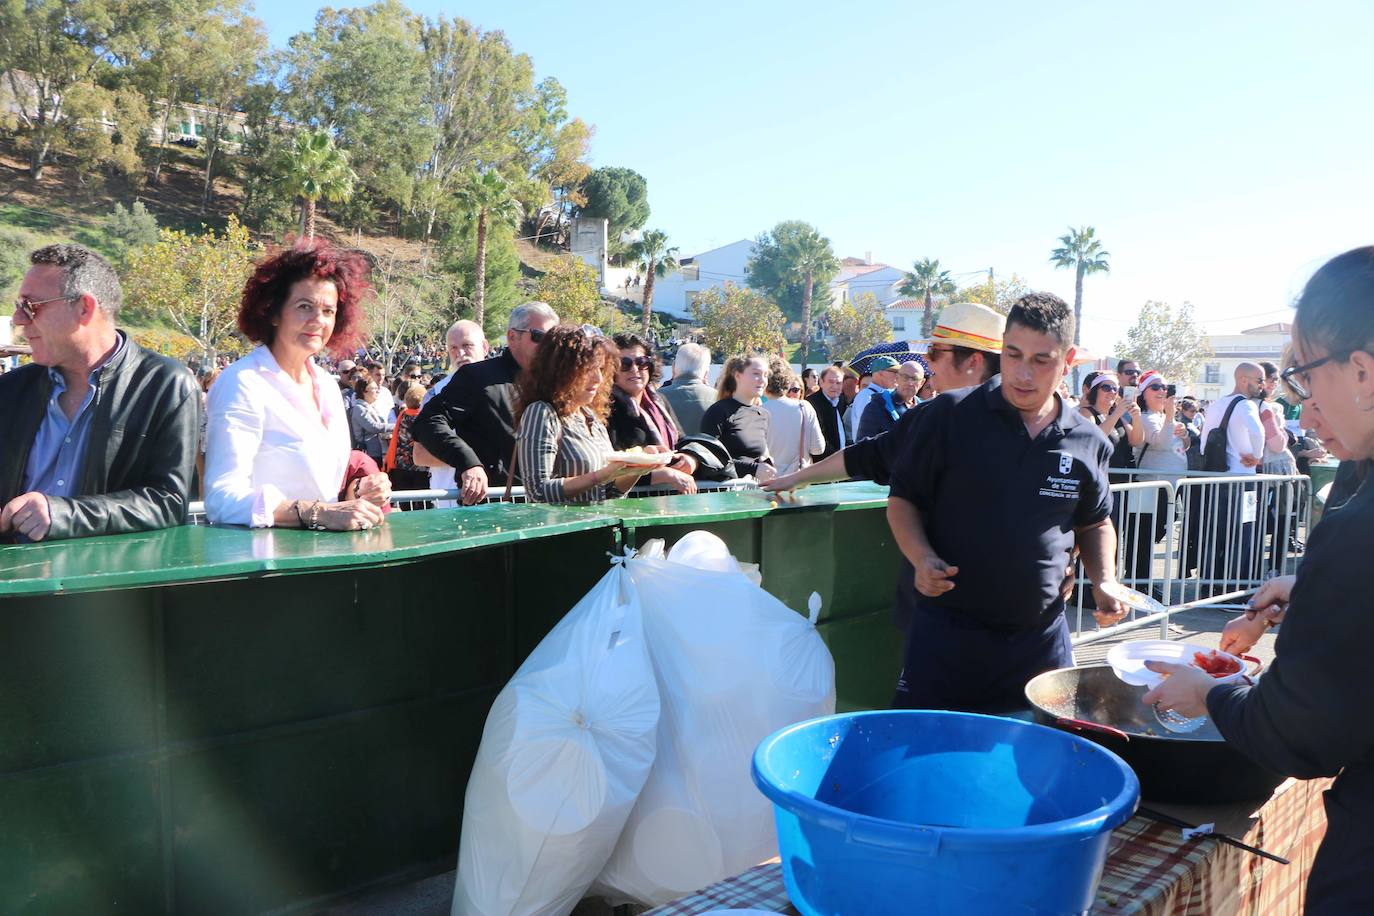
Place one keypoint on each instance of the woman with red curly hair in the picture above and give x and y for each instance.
(562, 447)
(277, 448)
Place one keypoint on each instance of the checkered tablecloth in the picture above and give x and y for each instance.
(1150, 869)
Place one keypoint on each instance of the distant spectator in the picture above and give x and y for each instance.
(1245, 431)
(738, 420)
(794, 432)
(882, 413)
(1104, 404)
(386, 403)
(99, 434)
(1163, 452)
(400, 464)
(564, 449)
(278, 445)
(471, 424)
(883, 370)
(689, 394)
(1277, 458)
(369, 425)
(811, 382)
(466, 343)
(850, 385)
(828, 404)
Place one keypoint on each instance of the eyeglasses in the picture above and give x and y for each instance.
(536, 335)
(1110, 389)
(1154, 387)
(30, 308)
(627, 363)
(1297, 379)
(1130, 372)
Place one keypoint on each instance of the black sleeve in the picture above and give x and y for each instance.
(920, 460)
(1310, 715)
(1095, 498)
(873, 459)
(436, 428)
(160, 499)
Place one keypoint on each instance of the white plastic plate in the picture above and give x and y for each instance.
(641, 459)
(1128, 660)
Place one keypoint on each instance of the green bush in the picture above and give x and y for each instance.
(15, 245)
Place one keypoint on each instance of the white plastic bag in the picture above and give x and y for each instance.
(566, 749)
(733, 665)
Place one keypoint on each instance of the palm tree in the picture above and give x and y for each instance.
(491, 200)
(1081, 250)
(926, 281)
(313, 168)
(657, 258)
(810, 255)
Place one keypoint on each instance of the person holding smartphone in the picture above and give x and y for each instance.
(1162, 455)
(1115, 414)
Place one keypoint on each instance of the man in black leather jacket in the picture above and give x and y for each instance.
(99, 434)
(471, 423)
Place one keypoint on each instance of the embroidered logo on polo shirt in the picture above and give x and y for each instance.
(1061, 486)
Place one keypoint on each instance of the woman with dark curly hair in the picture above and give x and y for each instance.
(277, 447)
(561, 441)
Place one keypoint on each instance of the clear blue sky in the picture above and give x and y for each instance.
(1222, 150)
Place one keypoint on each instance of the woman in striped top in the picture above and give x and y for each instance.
(561, 441)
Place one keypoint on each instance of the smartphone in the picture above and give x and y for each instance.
(1170, 391)
(1129, 392)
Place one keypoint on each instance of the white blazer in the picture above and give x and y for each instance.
(265, 445)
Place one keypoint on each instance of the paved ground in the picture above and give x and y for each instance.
(433, 896)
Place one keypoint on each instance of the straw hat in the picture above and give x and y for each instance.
(968, 324)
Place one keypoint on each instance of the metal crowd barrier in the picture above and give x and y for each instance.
(1204, 539)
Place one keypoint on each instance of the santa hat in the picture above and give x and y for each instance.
(1150, 377)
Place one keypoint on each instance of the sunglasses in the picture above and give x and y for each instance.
(1154, 387)
(627, 363)
(536, 335)
(1110, 389)
(30, 307)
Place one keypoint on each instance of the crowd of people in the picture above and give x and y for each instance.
(998, 476)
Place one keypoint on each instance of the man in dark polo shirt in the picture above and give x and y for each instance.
(995, 485)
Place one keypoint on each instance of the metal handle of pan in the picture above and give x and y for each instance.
(1083, 725)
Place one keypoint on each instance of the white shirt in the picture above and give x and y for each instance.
(386, 404)
(856, 409)
(441, 478)
(788, 421)
(1245, 434)
(265, 445)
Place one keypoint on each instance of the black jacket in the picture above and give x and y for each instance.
(829, 426)
(471, 423)
(630, 427)
(141, 450)
(1310, 714)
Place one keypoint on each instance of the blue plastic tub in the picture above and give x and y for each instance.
(909, 811)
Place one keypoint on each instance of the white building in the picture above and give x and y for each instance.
(857, 277)
(675, 292)
(1216, 377)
